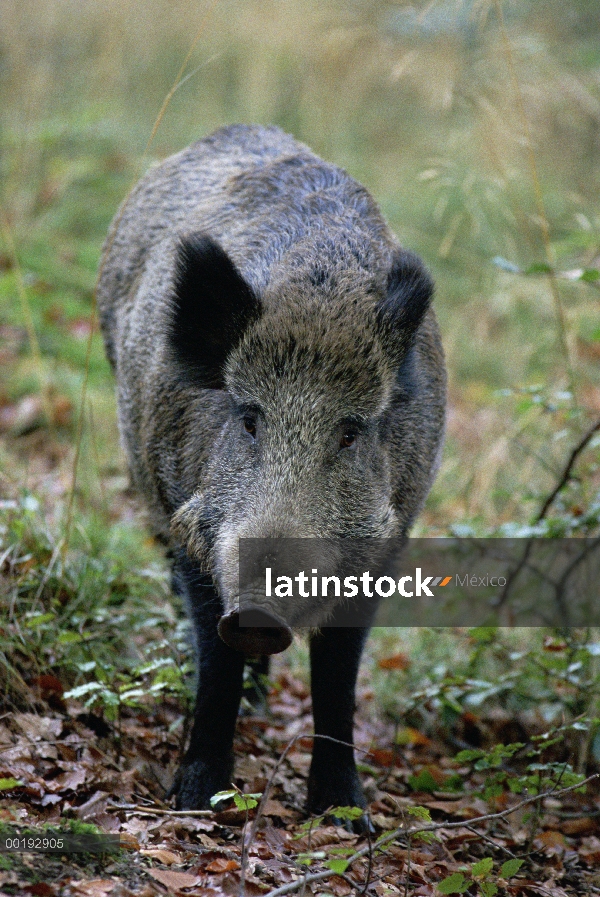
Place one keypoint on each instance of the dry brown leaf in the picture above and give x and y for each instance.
(382, 757)
(98, 887)
(48, 683)
(96, 804)
(161, 855)
(551, 840)
(173, 880)
(69, 780)
(221, 864)
(589, 851)
(395, 662)
(276, 808)
(584, 825)
(38, 728)
(41, 889)
(338, 887)
(327, 834)
(231, 817)
(128, 842)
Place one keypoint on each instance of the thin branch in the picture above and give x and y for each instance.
(566, 474)
(158, 811)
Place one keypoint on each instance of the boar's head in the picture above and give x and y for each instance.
(312, 374)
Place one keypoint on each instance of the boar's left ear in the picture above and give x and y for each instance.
(409, 295)
(212, 307)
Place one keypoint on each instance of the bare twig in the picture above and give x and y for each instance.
(566, 474)
(158, 811)
(491, 841)
(563, 479)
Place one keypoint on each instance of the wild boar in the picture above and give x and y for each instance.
(279, 374)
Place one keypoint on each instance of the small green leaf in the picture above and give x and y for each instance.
(337, 866)
(309, 826)
(427, 837)
(538, 268)
(347, 812)
(510, 868)
(86, 689)
(454, 884)
(39, 620)
(421, 813)
(69, 638)
(222, 796)
(488, 888)
(589, 275)
(423, 782)
(483, 867)
(246, 801)
(468, 755)
(306, 858)
(9, 784)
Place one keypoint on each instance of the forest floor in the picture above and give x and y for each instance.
(63, 768)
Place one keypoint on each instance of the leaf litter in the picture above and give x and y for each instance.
(55, 769)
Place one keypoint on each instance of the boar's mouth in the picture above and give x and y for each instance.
(267, 634)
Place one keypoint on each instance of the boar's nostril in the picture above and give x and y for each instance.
(265, 635)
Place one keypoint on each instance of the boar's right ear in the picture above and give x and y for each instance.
(409, 295)
(212, 307)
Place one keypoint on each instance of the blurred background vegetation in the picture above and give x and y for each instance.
(475, 124)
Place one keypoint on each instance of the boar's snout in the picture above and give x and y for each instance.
(267, 634)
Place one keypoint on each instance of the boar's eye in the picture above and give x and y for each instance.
(250, 426)
(347, 439)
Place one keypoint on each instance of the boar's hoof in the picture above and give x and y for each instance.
(340, 788)
(196, 781)
(266, 635)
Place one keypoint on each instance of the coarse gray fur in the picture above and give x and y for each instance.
(279, 374)
(312, 244)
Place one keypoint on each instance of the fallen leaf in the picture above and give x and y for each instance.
(48, 683)
(161, 855)
(98, 887)
(551, 841)
(584, 825)
(128, 842)
(40, 889)
(38, 728)
(222, 865)
(406, 735)
(276, 808)
(70, 780)
(395, 662)
(175, 880)
(338, 887)
(382, 757)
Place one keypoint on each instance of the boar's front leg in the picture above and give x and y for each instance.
(334, 657)
(208, 763)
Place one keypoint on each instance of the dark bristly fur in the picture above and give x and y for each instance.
(279, 373)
